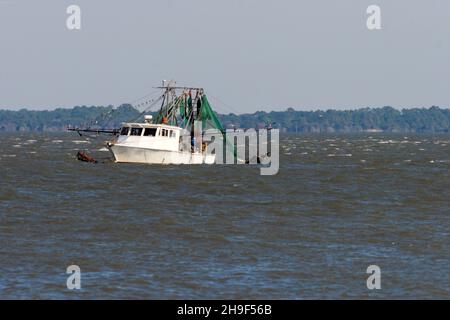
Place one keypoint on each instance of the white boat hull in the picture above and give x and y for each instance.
(128, 154)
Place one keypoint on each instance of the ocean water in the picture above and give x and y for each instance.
(339, 204)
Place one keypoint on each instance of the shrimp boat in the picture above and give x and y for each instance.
(156, 143)
(169, 137)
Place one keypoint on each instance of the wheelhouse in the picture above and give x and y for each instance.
(146, 130)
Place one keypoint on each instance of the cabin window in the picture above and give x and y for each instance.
(124, 131)
(136, 131)
(164, 132)
(172, 134)
(150, 132)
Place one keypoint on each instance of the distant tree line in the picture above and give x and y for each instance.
(60, 119)
(386, 119)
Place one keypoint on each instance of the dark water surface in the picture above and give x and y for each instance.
(338, 205)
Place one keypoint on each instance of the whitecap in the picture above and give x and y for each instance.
(340, 155)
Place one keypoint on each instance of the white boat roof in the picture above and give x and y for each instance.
(149, 125)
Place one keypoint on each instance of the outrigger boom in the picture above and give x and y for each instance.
(98, 131)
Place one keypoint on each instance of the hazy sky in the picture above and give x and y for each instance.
(250, 54)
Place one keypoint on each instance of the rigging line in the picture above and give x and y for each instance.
(143, 97)
(172, 109)
(109, 114)
(149, 107)
(116, 106)
(167, 110)
(224, 104)
(220, 109)
(153, 103)
(102, 116)
(148, 104)
(145, 105)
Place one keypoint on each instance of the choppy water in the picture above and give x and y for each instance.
(338, 205)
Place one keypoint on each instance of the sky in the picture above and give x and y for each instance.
(249, 55)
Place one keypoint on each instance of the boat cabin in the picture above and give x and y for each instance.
(144, 135)
(149, 130)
